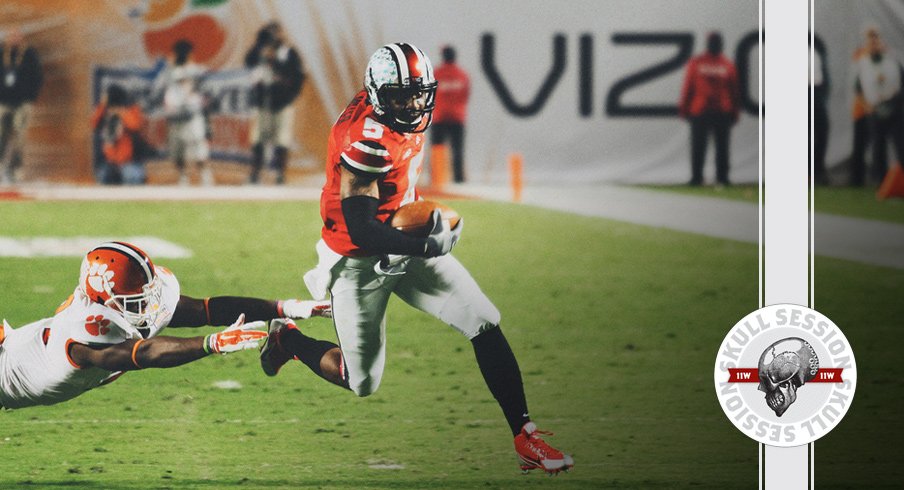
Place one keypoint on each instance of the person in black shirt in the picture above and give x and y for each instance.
(21, 78)
(277, 77)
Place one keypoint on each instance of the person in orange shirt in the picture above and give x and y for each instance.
(118, 122)
(452, 92)
(710, 101)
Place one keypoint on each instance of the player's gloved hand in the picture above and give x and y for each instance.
(239, 336)
(441, 239)
(303, 309)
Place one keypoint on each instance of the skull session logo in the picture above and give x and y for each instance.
(785, 375)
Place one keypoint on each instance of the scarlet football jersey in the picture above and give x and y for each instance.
(367, 147)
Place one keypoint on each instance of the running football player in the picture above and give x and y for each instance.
(110, 324)
(374, 159)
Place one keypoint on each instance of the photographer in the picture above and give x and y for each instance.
(118, 122)
(277, 77)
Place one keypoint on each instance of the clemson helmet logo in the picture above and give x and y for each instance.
(97, 325)
(97, 275)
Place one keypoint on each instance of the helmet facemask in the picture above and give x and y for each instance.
(139, 309)
(408, 108)
(402, 73)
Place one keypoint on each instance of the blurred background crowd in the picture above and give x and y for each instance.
(207, 92)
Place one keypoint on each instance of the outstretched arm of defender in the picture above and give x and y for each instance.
(165, 352)
(219, 310)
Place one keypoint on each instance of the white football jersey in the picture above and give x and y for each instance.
(35, 367)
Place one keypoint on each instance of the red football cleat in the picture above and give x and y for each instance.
(535, 453)
(273, 356)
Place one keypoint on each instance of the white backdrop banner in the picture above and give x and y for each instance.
(586, 91)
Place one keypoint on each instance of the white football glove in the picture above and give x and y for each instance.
(441, 239)
(299, 309)
(238, 336)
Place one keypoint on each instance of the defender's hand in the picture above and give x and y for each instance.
(239, 336)
(441, 239)
(299, 309)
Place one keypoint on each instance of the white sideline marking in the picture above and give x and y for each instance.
(227, 384)
(77, 246)
(393, 466)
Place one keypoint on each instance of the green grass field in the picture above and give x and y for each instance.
(616, 328)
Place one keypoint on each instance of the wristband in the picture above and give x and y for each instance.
(207, 349)
(135, 354)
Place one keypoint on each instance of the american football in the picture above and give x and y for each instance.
(414, 218)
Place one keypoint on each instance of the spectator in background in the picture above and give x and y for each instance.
(21, 78)
(879, 76)
(277, 77)
(710, 101)
(860, 114)
(820, 84)
(119, 122)
(184, 110)
(452, 92)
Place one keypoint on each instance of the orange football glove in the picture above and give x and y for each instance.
(239, 336)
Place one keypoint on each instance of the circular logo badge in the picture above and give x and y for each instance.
(785, 375)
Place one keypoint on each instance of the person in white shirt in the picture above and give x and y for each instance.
(184, 108)
(879, 77)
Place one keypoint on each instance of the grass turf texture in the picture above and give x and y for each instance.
(854, 202)
(615, 326)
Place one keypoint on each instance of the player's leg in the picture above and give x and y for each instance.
(6, 129)
(457, 135)
(880, 148)
(443, 288)
(257, 145)
(16, 144)
(284, 124)
(280, 160)
(286, 342)
(177, 152)
(698, 149)
(858, 154)
(359, 297)
(721, 127)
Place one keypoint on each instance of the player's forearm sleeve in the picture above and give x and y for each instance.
(371, 235)
(223, 310)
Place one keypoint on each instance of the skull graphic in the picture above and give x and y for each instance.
(784, 367)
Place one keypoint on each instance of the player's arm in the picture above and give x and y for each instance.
(360, 194)
(221, 310)
(360, 202)
(166, 352)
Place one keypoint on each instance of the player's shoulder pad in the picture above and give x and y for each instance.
(94, 323)
(169, 295)
(366, 157)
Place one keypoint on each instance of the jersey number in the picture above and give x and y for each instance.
(372, 129)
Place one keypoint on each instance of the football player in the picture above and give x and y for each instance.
(374, 159)
(110, 324)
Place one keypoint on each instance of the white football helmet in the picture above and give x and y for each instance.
(401, 71)
(121, 276)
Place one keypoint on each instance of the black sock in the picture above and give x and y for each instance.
(308, 350)
(500, 371)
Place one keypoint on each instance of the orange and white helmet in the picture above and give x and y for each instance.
(121, 276)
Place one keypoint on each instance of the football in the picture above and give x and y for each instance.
(414, 218)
